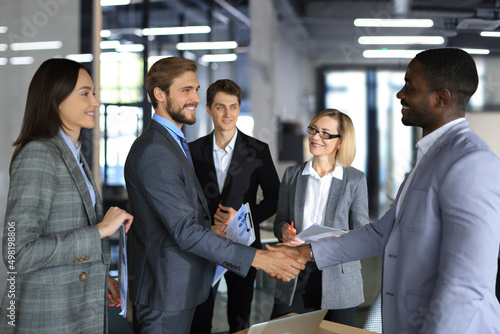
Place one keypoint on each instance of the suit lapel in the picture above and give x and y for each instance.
(235, 165)
(208, 159)
(77, 176)
(300, 198)
(426, 160)
(182, 157)
(98, 202)
(336, 190)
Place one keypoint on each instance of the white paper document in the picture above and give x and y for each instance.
(317, 232)
(240, 230)
(123, 273)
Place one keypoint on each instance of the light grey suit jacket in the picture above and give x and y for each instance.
(346, 209)
(440, 253)
(172, 251)
(60, 260)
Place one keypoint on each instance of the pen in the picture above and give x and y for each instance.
(291, 228)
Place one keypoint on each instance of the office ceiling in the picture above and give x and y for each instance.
(326, 27)
(323, 27)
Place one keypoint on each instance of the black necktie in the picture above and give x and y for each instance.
(185, 147)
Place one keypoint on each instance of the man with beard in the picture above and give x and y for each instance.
(172, 251)
(439, 241)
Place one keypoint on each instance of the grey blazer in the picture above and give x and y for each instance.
(346, 209)
(172, 251)
(440, 253)
(60, 260)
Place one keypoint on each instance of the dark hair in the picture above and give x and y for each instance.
(226, 86)
(52, 83)
(452, 69)
(347, 150)
(163, 72)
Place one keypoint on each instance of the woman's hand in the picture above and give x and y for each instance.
(288, 234)
(112, 221)
(113, 292)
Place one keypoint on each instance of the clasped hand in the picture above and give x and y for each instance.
(281, 262)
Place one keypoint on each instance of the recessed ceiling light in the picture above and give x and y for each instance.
(207, 45)
(390, 53)
(50, 45)
(105, 3)
(402, 23)
(490, 33)
(219, 57)
(401, 40)
(176, 30)
(81, 58)
(21, 60)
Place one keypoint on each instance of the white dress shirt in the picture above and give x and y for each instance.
(222, 158)
(317, 193)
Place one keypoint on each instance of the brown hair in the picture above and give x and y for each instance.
(347, 149)
(226, 86)
(163, 72)
(51, 84)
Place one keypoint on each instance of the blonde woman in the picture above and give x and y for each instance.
(328, 191)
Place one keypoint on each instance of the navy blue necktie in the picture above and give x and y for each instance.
(185, 147)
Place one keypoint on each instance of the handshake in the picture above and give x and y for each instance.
(282, 262)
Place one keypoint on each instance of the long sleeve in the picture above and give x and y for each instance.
(269, 182)
(284, 210)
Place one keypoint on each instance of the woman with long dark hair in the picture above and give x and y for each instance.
(55, 237)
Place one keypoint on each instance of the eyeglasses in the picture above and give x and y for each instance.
(325, 135)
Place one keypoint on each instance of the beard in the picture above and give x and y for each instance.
(177, 113)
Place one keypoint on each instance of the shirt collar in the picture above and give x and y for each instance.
(426, 142)
(75, 148)
(337, 173)
(169, 125)
(230, 145)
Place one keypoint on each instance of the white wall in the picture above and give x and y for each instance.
(281, 76)
(28, 21)
(486, 125)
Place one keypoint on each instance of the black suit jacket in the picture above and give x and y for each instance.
(251, 165)
(171, 249)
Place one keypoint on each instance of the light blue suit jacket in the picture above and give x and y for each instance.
(440, 252)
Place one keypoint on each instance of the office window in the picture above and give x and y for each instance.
(120, 125)
(346, 91)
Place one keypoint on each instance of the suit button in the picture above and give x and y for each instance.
(86, 258)
(83, 276)
(207, 217)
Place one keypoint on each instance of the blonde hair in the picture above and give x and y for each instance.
(347, 150)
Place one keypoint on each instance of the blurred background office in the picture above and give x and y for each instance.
(292, 58)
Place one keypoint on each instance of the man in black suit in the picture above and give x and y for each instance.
(172, 250)
(230, 167)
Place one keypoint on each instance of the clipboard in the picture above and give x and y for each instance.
(241, 230)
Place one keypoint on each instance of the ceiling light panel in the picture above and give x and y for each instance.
(400, 40)
(396, 23)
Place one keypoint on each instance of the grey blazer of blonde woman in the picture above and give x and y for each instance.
(60, 260)
(346, 209)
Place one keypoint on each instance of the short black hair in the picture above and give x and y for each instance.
(223, 85)
(452, 69)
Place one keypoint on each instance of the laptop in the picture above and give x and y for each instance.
(306, 323)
